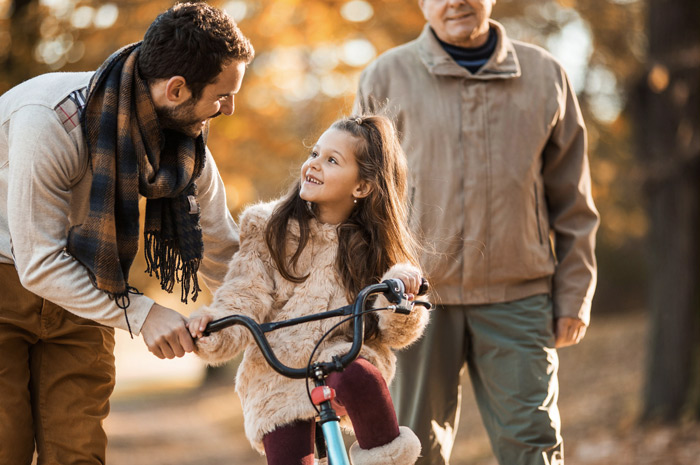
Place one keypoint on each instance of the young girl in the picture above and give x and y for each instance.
(342, 226)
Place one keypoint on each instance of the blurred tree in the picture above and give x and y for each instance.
(667, 115)
(19, 34)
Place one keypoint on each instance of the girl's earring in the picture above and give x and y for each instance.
(354, 200)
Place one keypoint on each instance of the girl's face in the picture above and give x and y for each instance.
(330, 176)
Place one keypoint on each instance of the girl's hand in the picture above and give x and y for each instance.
(198, 324)
(411, 279)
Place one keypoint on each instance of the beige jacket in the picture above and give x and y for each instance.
(501, 189)
(255, 288)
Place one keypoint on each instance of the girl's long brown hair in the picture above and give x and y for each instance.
(376, 236)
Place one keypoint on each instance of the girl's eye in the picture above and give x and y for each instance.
(313, 155)
(333, 160)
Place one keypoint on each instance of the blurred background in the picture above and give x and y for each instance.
(632, 387)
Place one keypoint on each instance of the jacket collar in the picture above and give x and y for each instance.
(503, 64)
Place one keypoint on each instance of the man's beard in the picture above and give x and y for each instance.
(181, 118)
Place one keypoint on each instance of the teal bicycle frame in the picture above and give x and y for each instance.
(335, 447)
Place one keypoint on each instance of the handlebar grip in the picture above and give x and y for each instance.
(424, 286)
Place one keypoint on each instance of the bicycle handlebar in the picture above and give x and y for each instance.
(393, 290)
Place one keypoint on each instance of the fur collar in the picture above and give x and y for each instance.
(256, 216)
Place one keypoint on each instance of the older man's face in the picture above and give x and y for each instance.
(464, 23)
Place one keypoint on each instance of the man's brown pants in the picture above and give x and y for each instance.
(56, 376)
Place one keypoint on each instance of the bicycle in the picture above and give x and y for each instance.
(330, 447)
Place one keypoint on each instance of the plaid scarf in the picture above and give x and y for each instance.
(130, 155)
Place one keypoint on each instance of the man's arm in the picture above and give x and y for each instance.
(371, 95)
(219, 232)
(45, 165)
(572, 216)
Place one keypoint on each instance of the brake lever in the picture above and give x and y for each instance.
(423, 303)
(397, 295)
(404, 306)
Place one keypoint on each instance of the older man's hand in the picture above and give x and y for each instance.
(568, 331)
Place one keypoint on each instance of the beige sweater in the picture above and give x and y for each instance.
(253, 287)
(45, 181)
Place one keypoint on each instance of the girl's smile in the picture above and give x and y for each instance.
(312, 180)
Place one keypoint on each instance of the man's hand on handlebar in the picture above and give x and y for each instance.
(165, 333)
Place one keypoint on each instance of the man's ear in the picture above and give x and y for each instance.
(421, 5)
(362, 190)
(176, 90)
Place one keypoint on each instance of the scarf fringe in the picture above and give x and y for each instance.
(165, 261)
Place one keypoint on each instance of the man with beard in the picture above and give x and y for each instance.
(77, 151)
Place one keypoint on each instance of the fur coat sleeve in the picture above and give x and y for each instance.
(248, 289)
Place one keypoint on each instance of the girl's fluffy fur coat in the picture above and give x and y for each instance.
(255, 288)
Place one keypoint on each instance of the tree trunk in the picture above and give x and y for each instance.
(19, 64)
(667, 115)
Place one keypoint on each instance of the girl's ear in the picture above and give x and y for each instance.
(362, 190)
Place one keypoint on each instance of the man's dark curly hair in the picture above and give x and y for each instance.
(195, 41)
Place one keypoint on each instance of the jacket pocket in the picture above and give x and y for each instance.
(537, 214)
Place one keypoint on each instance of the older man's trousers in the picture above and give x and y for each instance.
(508, 349)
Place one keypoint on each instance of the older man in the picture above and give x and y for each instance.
(77, 151)
(501, 195)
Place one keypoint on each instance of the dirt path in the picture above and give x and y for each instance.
(601, 382)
